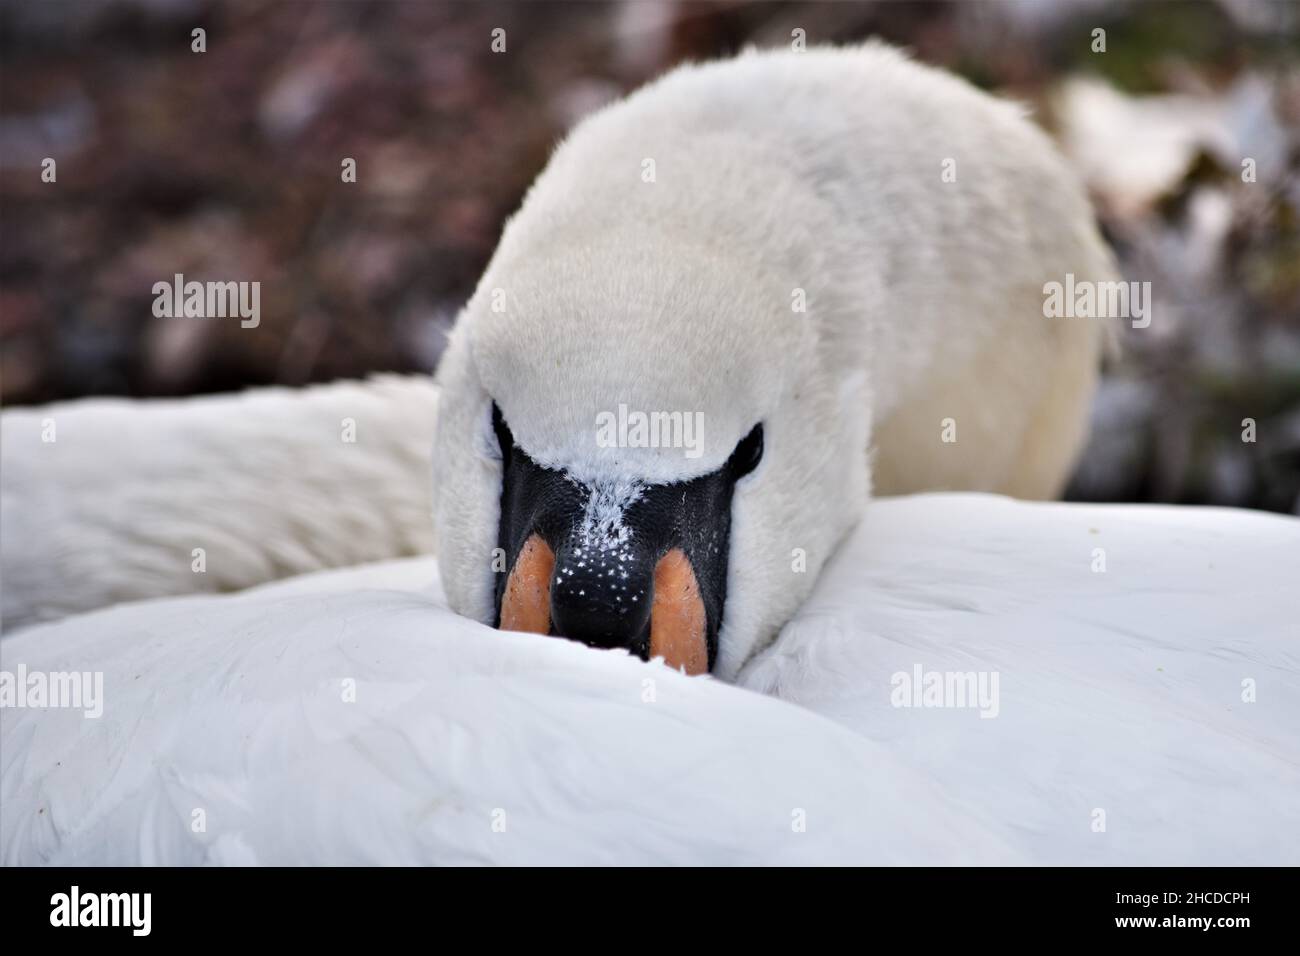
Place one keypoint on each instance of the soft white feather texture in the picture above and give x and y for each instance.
(112, 509)
(775, 172)
(234, 705)
(1119, 691)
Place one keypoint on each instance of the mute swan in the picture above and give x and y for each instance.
(803, 255)
(1132, 695)
(789, 257)
(795, 257)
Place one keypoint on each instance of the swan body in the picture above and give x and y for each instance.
(1120, 691)
(1132, 693)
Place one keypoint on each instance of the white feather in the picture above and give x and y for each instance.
(1120, 691)
(106, 500)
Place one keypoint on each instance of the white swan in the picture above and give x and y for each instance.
(806, 255)
(1123, 733)
(1132, 692)
(659, 264)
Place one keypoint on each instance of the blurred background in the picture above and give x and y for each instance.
(225, 164)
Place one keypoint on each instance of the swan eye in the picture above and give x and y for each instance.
(747, 454)
(504, 438)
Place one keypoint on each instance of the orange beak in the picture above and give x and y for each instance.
(677, 620)
(677, 617)
(526, 605)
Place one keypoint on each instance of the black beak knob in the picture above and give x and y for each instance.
(601, 593)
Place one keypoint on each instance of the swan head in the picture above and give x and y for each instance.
(638, 452)
(639, 443)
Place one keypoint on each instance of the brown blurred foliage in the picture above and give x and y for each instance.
(226, 165)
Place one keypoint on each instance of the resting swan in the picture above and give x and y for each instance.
(831, 263)
(350, 717)
(769, 247)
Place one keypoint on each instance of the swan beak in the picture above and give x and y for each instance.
(677, 619)
(616, 563)
(526, 605)
(678, 623)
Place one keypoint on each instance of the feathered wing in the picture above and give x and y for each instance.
(111, 500)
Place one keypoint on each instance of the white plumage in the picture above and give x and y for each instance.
(1147, 694)
(106, 500)
(659, 260)
(1119, 691)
